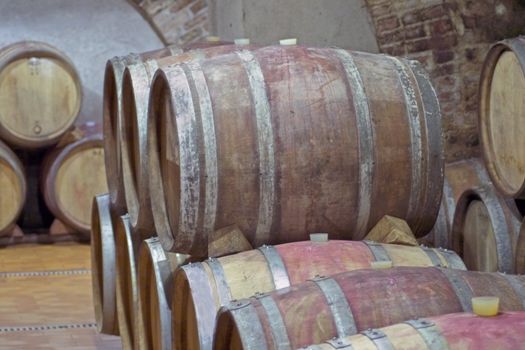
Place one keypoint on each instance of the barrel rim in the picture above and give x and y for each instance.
(94, 141)
(11, 159)
(19, 50)
(486, 76)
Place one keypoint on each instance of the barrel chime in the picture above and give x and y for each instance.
(47, 164)
(227, 162)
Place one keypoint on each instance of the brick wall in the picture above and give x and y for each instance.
(179, 21)
(451, 39)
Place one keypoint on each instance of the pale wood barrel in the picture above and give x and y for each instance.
(501, 113)
(40, 94)
(459, 176)
(348, 303)
(200, 289)
(485, 230)
(103, 265)
(301, 137)
(72, 175)
(134, 122)
(155, 279)
(13, 189)
(459, 331)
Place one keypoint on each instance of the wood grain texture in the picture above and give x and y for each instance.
(13, 187)
(200, 289)
(501, 110)
(71, 177)
(295, 109)
(460, 331)
(40, 94)
(371, 298)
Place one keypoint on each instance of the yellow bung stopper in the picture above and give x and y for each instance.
(213, 39)
(386, 264)
(485, 306)
(242, 41)
(319, 237)
(288, 42)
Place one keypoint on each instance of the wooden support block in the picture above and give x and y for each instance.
(227, 240)
(59, 228)
(392, 230)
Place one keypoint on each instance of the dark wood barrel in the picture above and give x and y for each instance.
(501, 109)
(133, 138)
(103, 265)
(13, 189)
(127, 249)
(351, 302)
(485, 230)
(459, 176)
(41, 94)
(155, 279)
(287, 140)
(194, 303)
(458, 331)
(72, 175)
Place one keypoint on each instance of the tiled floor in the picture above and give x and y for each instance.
(45, 299)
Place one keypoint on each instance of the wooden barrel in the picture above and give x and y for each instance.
(155, 271)
(103, 265)
(460, 331)
(127, 248)
(200, 289)
(501, 109)
(520, 250)
(291, 140)
(459, 176)
(72, 175)
(485, 230)
(134, 154)
(40, 94)
(351, 302)
(13, 189)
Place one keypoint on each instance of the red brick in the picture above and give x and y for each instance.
(442, 56)
(443, 42)
(391, 37)
(198, 6)
(418, 45)
(432, 12)
(394, 50)
(387, 23)
(380, 10)
(444, 69)
(441, 26)
(469, 22)
(179, 5)
(191, 36)
(195, 21)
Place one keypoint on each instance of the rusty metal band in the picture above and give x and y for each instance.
(265, 140)
(501, 229)
(277, 326)
(205, 111)
(481, 172)
(460, 287)
(220, 280)
(441, 228)
(430, 334)
(341, 311)
(366, 139)
(415, 135)
(378, 251)
(248, 325)
(340, 343)
(201, 292)
(453, 260)
(162, 268)
(433, 256)
(431, 125)
(379, 338)
(276, 266)
(518, 285)
(450, 204)
(182, 100)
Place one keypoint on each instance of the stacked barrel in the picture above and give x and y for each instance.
(215, 149)
(40, 99)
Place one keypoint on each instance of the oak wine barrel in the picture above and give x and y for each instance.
(501, 113)
(200, 289)
(520, 250)
(351, 302)
(459, 176)
(287, 140)
(103, 265)
(133, 138)
(155, 279)
(127, 248)
(72, 175)
(40, 94)
(460, 331)
(13, 189)
(485, 230)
